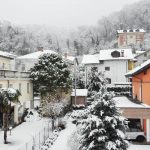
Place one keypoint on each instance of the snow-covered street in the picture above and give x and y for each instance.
(25, 135)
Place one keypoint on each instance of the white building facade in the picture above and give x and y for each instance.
(11, 78)
(114, 63)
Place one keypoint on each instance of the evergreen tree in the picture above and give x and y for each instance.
(51, 74)
(101, 125)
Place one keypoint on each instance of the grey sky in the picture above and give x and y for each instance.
(66, 13)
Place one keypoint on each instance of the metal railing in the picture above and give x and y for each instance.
(38, 139)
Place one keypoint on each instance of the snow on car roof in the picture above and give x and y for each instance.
(79, 92)
(125, 102)
(106, 54)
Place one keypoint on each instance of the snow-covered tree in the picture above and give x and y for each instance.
(51, 74)
(52, 108)
(100, 125)
(96, 83)
(7, 95)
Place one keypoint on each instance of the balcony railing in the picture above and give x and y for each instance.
(13, 74)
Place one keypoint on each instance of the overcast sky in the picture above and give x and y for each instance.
(60, 13)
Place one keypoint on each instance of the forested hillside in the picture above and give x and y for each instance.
(82, 40)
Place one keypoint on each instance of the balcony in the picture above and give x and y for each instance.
(13, 74)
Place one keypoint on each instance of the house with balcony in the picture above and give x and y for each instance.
(115, 63)
(11, 78)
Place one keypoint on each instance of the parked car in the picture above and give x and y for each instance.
(135, 131)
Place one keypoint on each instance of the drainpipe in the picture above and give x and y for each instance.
(85, 76)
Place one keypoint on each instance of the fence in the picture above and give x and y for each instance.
(38, 139)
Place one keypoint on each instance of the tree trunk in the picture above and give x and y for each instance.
(5, 127)
(53, 120)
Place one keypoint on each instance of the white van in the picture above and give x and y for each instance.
(135, 132)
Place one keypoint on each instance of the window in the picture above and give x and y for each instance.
(101, 61)
(28, 87)
(1, 85)
(20, 87)
(107, 68)
(108, 80)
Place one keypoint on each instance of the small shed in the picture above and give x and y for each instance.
(81, 97)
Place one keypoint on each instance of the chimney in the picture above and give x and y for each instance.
(122, 53)
(40, 49)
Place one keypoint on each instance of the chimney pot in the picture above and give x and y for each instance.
(122, 53)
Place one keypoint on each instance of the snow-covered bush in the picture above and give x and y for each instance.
(50, 141)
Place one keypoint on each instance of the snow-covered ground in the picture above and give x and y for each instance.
(25, 135)
(62, 140)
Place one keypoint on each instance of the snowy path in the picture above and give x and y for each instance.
(22, 136)
(62, 141)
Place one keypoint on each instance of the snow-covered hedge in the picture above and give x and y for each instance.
(50, 141)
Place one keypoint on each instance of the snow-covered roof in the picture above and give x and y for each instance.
(106, 54)
(36, 55)
(139, 68)
(79, 92)
(124, 102)
(90, 59)
(7, 55)
(122, 83)
(71, 58)
(131, 30)
(141, 53)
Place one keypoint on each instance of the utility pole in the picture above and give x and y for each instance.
(75, 81)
